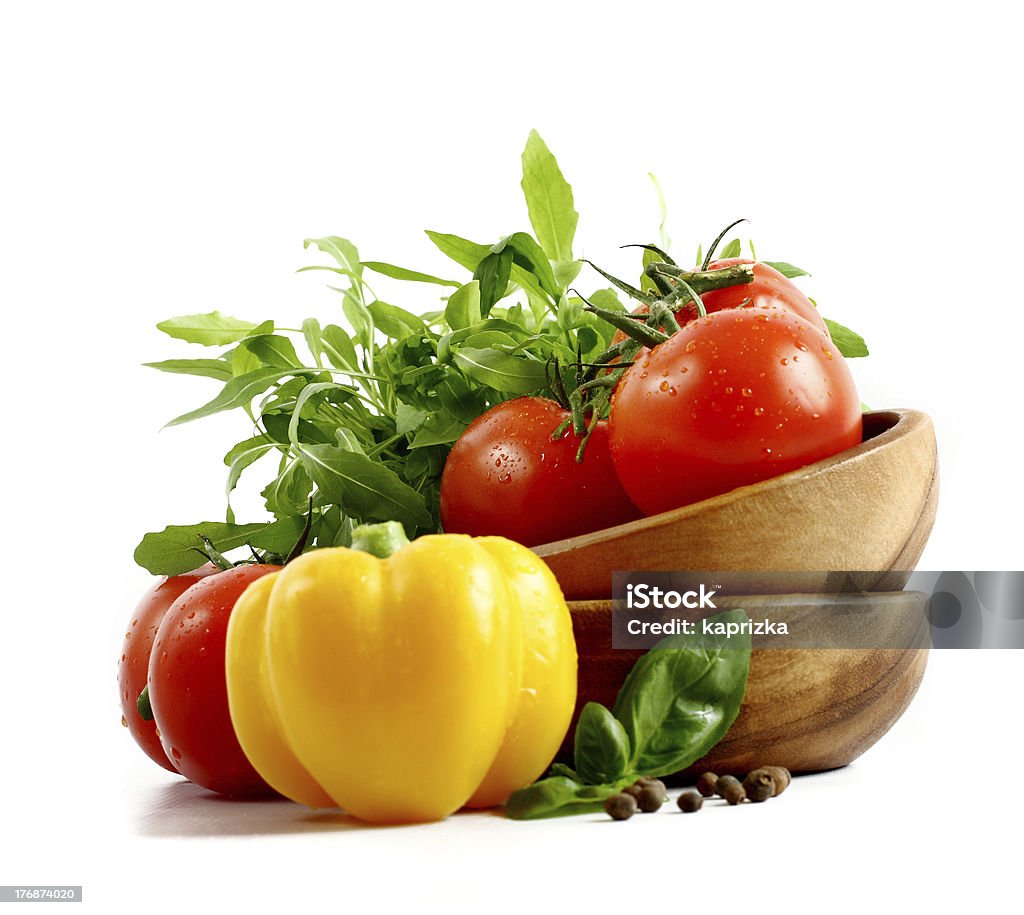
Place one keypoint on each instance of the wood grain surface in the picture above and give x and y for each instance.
(869, 509)
(805, 708)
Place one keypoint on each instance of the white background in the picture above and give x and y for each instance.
(166, 160)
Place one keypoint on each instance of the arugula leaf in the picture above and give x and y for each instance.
(342, 250)
(848, 342)
(502, 371)
(242, 455)
(236, 393)
(682, 696)
(207, 368)
(464, 252)
(463, 308)
(440, 428)
(787, 270)
(313, 336)
(401, 273)
(492, 274)
(213, 329)
(173, 550)
(362, 487)
(731, 249)
(273, 350)
(548, 200)
(602, 751)
(528, 255)
(395, 322)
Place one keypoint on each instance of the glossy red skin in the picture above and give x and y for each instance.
(733, 398)
(505, 477)
(768, 288)
(134, 665)
(188, 690)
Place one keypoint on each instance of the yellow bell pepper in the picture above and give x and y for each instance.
(402, 684)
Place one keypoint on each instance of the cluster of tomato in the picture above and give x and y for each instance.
(754, 389)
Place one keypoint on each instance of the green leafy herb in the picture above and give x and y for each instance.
(548, 199)
(678, 701)
(848, 342)
(787, 270)
(358, 413)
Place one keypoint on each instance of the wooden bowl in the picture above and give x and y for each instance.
(869, 509)
(807, 709)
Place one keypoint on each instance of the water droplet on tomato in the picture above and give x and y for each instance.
(691, 346)
(796, 358)
(175, 753)
(767, 452)
(758, 411)
(815, 416)
(800, 345)
(683, 370)
(729, 389)
(134, 622)
(124, 722)
(783, 361)
(827, 352)
(163, 657)
(663, 386)
(747, 392)
(671, 392)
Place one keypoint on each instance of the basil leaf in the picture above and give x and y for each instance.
(342, 250)
(412, 276)
(848, 342)
(236, 393)
(363, 487)
(492, 274)
(395, 322)
(731, 249)
(502, 371)
(556, 796)
(213, 329)
(682, 696)
(206, 368)
(463, 308)
(172, 551)
(601, 752)
(548, 200)
(531, 257)
(785, 269)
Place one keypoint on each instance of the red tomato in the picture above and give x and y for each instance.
(188, 690)
(768, 288)
(505, 476)
(733, 398)
(134, 666)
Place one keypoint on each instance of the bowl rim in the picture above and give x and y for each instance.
(882, 430)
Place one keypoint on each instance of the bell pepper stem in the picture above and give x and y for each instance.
(380, 540)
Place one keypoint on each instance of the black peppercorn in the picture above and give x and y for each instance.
(633, 790)
(730, 789)
(646, 781)
(706, 784)
(759, 785)
(651, 798)
(690, 801)
(620, 806)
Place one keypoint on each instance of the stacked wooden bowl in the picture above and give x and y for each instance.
(869, 509)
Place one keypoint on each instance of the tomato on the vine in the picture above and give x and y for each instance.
(505, 476)
(733, 398)
(769, 288)
(188, 688)
(134, 666)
